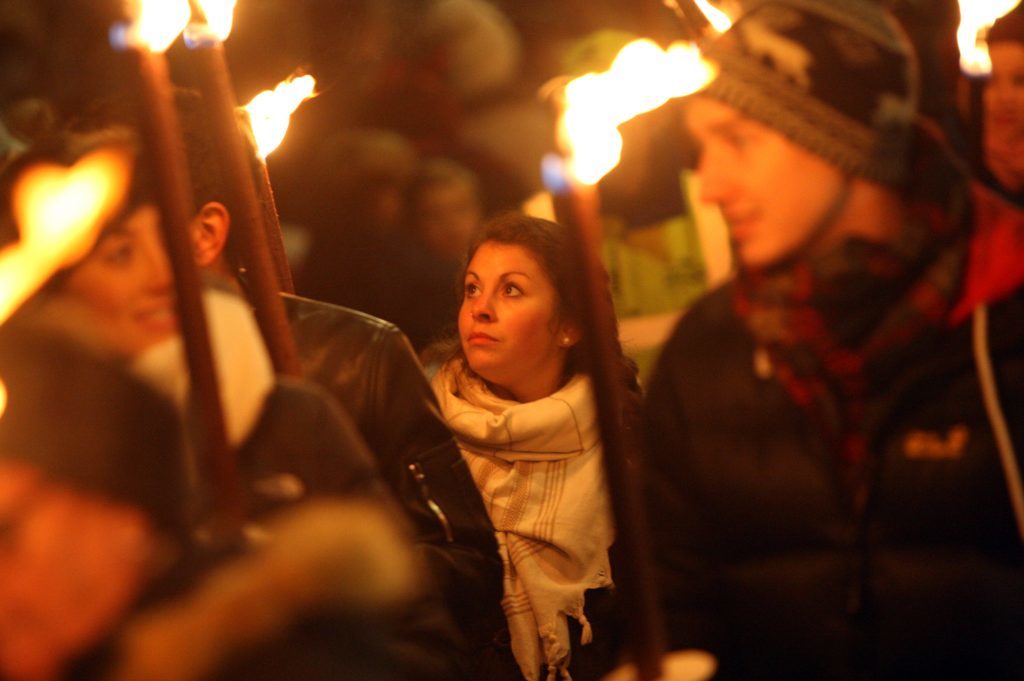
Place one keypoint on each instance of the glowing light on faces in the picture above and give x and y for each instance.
(508, 322)
(976, 17)
(125, 286)
(641, 78)
(59, 212)
(219, 16)
(270, 111)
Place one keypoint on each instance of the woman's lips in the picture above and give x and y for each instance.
(160, 319)
(480, 339)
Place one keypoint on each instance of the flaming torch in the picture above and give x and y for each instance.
(641, 78)
(266, 279)
(270, 111)
(269, 115)
(59, 212)
(699, 17)
(976, 17)
(155, 25)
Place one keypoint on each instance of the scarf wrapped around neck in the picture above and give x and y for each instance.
(835, 326)
(538, 468)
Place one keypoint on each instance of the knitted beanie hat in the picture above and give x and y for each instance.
(837, 77)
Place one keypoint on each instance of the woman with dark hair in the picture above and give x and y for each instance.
(511, 391)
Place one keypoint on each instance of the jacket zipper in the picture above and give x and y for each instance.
(421, 480)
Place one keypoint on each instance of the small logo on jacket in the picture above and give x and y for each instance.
(923, 444)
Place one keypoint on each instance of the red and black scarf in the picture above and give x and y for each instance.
(835, 325)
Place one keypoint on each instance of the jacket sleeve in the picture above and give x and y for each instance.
(423, 465)
(369, 368)
(304, 436)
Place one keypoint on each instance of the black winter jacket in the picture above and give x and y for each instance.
(764, 563)
(368, 366)
(305, 446)
(302, 415)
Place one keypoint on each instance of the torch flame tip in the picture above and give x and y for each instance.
(155, 26)
(642, 77)
(219, 16)
(270, 111)
(976, 17)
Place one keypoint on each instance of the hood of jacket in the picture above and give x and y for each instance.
(995, 259)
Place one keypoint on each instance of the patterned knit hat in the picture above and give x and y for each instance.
(838, 77)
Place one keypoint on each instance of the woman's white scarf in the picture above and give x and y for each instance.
(539, 470)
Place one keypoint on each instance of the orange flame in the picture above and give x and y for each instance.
(156, 23)
(59, 212)
(219, 16)
(270, 111)
(976, 17)
(642, 78)
(718, 19)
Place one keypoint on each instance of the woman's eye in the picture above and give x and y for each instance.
(117, 254)
(471, 290)
(513, 290)
(738, 141)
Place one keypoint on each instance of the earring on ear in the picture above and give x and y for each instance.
(566, 340)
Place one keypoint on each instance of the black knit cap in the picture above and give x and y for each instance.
(837, 77)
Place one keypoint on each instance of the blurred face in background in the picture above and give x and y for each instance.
(1004, 92)
(509, 324)
(777, 198)
(125, 284)
(446, 215)
(1004, 114)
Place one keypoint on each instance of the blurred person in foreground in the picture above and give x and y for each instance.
(103, 501)
(511, 388)
(834, 437)
(101, 577)
(122, 293)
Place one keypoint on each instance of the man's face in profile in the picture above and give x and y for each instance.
(775, 196)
